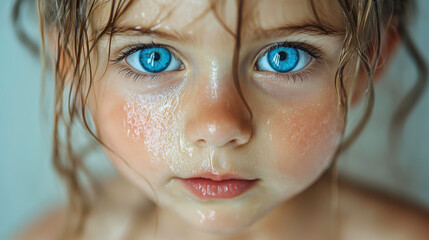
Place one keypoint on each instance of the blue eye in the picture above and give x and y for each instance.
(283, 59)
(153, 60)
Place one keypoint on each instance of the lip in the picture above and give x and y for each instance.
(210, 186)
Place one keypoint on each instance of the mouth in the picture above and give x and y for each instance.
(210, 186)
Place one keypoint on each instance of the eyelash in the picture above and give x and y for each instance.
(128, 71)
(137, 77)
(301, 75)
(314, 52)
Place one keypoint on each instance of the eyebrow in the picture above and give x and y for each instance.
(143, 31)
(313, 29)
(309, 28)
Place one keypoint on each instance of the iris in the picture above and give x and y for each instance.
(283, 59)
(155, 59)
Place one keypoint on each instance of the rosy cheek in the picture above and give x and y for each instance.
(147, 120)
(307, 136)
(155, 122)
(109, 120)
(136, 121)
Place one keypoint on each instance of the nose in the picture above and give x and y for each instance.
(218, 120)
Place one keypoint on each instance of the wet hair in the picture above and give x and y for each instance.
(68, 23)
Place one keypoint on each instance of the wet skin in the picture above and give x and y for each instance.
(279, 128)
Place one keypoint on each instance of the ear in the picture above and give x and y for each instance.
(389, 44)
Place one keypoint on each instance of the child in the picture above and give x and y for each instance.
(224, 117)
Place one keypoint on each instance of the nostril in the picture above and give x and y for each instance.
(231, 136)
(201, 142)
(218, 126)
(233, 142)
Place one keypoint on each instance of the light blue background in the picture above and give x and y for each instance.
(28, 186)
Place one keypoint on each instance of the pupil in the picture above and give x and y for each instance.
(283, 56)
(156, 56)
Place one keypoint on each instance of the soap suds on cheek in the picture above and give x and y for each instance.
(156, 121)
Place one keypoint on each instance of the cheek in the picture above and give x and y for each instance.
(124, 142)
(144, 130)
(307, 136)
(148, 120)
(156, 122)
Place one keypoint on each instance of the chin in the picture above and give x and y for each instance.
(222, 220)
(223, 228)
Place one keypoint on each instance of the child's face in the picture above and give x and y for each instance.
(185, 116)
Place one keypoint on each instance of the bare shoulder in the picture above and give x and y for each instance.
(367, 214)
(45, 228)
(114, 207)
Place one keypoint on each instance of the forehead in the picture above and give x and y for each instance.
(188, 17)
(270, 13)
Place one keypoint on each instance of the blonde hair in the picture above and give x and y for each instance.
(365, 22)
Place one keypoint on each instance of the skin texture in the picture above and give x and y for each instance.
(282, 129)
